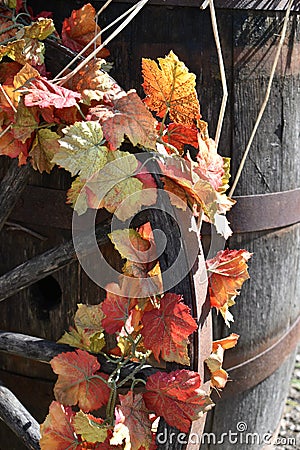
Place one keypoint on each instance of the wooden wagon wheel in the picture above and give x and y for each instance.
(12, 412)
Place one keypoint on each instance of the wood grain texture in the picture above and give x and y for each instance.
(13, 413)
(11, 187)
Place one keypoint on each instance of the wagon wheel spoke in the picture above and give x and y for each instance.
(11, 187)
(18, 419)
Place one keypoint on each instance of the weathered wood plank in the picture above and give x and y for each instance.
(11, 187)
(49, 262)
(18, 419)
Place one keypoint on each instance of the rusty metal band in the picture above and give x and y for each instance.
(253, 371)
(266, 5)
(43, 206)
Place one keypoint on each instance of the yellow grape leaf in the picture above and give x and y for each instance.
(89, 427)
(25, 123)
(77, 196)
(14, 50)
(171, 88)
(81, 149)
(40, 29)
(88, 333)
(44, 147)
(116, 183)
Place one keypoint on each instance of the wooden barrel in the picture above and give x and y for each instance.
(267, 310)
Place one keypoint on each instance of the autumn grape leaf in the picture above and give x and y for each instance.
(11, 147)
(89, 427)
(127, 117)
(214, 362)
(227, 272)
(171, 88)
(44, 147)
(57, 432)
(40, 29)
(41, 92)
(93, 83)
(79, 381)
(177, 397)
(25, 123)
(210, 165)
(80, 197)
(79, 29)
(116, 309)
(166, 329)
(178, 135)
(116, 182)
(88, 332)
(136, 419)
(14, 50)
(81, 150)
(130, 244)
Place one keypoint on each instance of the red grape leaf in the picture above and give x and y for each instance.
(79, 29)
(166, 329)
(77, 380)
(41, 92)
(129, 117)
(57, 431)
(115, 308)
(11, 147)
(136, 419)
(227, 273)
(171, 87)
(178, 135)
(176, 396)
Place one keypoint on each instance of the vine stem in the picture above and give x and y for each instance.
(135, 11)
(266, 99)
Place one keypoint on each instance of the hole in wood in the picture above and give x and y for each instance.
(46, 296)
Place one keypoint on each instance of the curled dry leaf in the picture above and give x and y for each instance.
(214, 362)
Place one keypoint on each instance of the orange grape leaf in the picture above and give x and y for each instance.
(171, 88)
(57, 432)
(227, 272)
(11, 147)
(116, 309)
(178, 135)
(177, 397)
(136, 419)
(79, 29)
(214, 362)
(127, 117)
(81, 150)
(41, 92)
(166, 329)
(90, 428)
(129, 244)
(79, 381)
(44, 147)
(88, 332)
